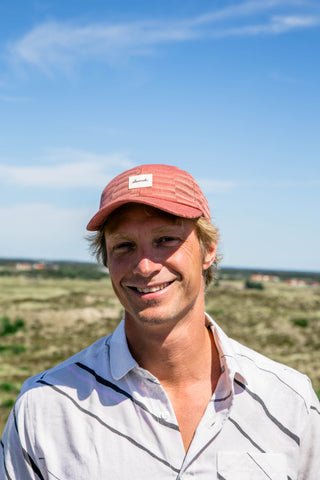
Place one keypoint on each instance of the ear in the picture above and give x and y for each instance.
(209, 256)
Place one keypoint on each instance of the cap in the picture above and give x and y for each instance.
(165, 187)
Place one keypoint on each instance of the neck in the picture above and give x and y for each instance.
(186, 353)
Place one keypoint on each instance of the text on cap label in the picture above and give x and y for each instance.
(140, 181)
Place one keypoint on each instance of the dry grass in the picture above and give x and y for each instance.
(63, 316)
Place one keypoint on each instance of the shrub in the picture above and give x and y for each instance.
(7, 327)
(253, 284)
(8, 403)
(300, 322)
(9, 387)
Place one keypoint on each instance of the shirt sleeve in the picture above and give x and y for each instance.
(17, 458)
(310, 443)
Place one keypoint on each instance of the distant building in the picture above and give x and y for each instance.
(23, 266)
(39, 266)
(260, 277)
(296, 282)
(27, 266)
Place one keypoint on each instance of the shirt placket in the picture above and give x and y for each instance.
(168, 434)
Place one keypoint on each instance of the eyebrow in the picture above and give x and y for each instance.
(157, 230)
(117, 236)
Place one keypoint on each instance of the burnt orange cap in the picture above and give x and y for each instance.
(164, 187)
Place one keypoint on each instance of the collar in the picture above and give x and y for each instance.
(229, 356)
(121, 360)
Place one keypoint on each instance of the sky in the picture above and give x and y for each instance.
(227, 90)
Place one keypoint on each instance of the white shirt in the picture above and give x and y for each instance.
(101, 416)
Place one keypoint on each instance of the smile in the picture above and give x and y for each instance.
(152, 289)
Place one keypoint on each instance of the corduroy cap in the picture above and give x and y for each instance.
(165, 187)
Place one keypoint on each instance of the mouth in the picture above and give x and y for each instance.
(151, 289)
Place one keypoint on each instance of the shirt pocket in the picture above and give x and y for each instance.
(251, 466)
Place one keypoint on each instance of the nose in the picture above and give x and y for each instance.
(146, 264)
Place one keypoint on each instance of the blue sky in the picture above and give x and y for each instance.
(228, 90)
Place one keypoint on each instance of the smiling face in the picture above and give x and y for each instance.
(156, 266)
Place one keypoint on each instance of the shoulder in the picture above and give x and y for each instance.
(274, 380)
(92, 355)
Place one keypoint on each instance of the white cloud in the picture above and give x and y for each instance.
(274, 26)
(68, 168)
(58, 46)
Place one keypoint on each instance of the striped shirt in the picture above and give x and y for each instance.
(101, 416)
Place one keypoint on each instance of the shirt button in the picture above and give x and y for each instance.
(164, 415)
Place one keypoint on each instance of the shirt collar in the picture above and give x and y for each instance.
(228, 354)
(121, 360)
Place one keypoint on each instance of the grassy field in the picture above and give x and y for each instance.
(44, 321)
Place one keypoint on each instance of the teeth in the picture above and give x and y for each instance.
(152, 289)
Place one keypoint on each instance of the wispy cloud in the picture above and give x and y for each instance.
(60, 46)
(275, 25)
(66, 168)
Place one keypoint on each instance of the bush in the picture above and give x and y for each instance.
(300, 322)
(253, 284)
(7, 327)
(9, 387)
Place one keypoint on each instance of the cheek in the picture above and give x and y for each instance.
(114, 269)
(192, 251)
(188, 259)
(119, 268)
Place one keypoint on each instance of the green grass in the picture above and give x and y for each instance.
(12, 349)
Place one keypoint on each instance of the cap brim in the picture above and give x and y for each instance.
(178, 209)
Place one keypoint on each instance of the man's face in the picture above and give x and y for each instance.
(155, 266)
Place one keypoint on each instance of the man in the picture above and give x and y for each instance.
(168, 394)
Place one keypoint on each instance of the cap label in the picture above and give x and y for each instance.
(140, 181)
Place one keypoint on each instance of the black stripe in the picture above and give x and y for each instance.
(269, 415)
(113, 430)
(223, 399)
(220, 477)
(25, 453)
(4, 462)
(271, 373)
(32, 464)
(253, 459)
(315, 408)
(15, 419)
(246, 435)
(114, 387)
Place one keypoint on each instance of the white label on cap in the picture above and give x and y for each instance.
(140, 181)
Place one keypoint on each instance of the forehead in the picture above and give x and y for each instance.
(140, 212)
